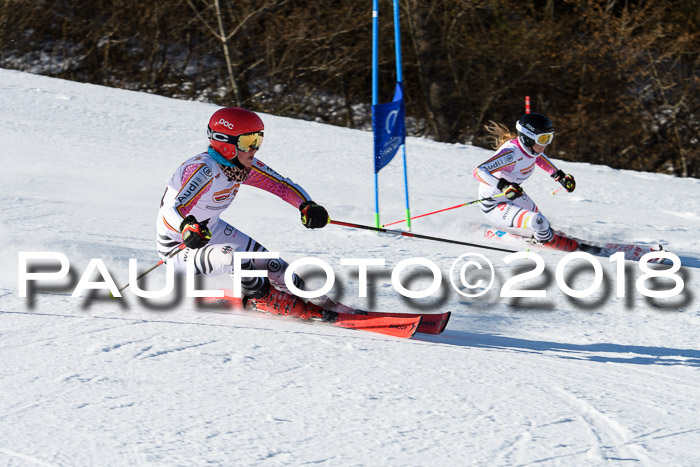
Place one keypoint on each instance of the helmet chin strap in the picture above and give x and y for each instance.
(527, 148)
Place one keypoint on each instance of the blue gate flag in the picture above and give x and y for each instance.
(389, 128)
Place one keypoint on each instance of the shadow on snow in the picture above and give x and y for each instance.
(599, 352)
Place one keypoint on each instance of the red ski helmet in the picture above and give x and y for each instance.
(234, 129)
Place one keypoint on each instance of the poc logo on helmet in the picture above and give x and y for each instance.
(226, 124)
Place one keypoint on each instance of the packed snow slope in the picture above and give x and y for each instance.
(604, 379)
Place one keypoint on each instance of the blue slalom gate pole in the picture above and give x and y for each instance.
(399, 78)
(375, 91)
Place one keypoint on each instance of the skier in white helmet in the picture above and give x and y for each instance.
(514, 162)
(206, 184)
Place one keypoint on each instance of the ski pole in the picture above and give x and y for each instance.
(447, 209)
(557, 190)
(414, 235)
(172, 253)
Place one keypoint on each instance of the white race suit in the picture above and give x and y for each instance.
(201, 188)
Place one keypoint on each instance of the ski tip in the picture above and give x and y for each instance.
(434, 323)
(415, 327)
(448, 315)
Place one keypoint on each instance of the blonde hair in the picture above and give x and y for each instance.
(499, 134)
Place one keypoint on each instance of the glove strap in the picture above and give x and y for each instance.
(558, 175)
(305, 205)
(190, 226)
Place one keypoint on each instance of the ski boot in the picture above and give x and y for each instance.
(558, 242)
(562, 243)
(282, 303)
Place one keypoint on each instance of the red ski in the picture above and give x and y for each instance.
(389, 325)
(284, 304)
(431, 323)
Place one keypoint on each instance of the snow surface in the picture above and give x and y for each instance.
(604, 380)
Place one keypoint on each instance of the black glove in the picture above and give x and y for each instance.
(511, 190)
(313, 216)
(194, 234)
(566, 180)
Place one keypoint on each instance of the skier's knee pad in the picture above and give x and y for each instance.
(541, 228)
(540, 223)
(256, 289)
(276, 269)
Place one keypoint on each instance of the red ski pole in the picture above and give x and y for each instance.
(447, 209)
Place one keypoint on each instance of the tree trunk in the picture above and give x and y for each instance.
(224, 44)
(436, 84)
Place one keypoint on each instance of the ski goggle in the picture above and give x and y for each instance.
(542, 139)
(246, 142)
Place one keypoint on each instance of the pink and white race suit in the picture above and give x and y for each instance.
(199, 187)
(515, 163)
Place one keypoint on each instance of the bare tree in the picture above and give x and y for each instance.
(619, 78)
(224, 26)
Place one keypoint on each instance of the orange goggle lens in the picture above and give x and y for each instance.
(544, 139)
(249, 141)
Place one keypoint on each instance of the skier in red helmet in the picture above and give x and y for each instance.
(206, 184)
